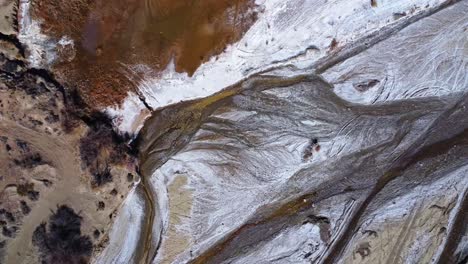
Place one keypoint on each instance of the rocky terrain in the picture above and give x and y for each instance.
(65, 172)
(234, 131)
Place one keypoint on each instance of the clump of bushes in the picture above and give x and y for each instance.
(27, 189)
(102, 142)
(102, 145)
(25, 209)
(101, 176)
(22, 145)
(61, 241)
(9, 231)
(29, 161)
(23, 189)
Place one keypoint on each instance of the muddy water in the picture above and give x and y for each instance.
(113, 36)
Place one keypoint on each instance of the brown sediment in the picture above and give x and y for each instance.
(109, 35)
(279, 216)
(180, 204)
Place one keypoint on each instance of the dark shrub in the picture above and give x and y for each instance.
(23, 145)
(61, 240)
(101, 177)
(29, 161)
(23, 189)
(9, 231)
(33, 195)
(25, 207)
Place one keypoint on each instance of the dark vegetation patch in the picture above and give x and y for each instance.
(27, 189)
(22, 189)
(22, 145)
(10, 217)
(129, 177)
(25, 209)
(29, 160)
(61, 241)
(52, 118)
(75, 110)
(102, 147)
(9, 231)
(29, 82)
(101, 176)
(35, 122)
(101, 138)
(9, 67)
(101, 205)
(114, 192)
(33, 195)
(96, 234)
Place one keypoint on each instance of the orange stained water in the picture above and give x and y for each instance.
(112, 33)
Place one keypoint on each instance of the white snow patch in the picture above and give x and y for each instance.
(39, 47)
(129, 117)
(66, 41)
(41, 50)
(125, 233)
